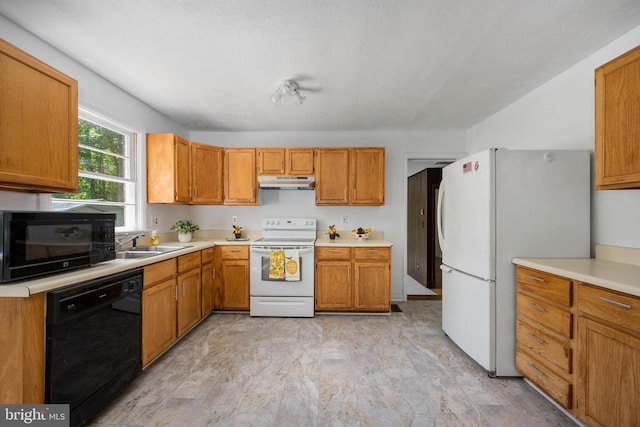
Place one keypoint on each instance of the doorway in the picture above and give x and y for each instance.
(423, 254)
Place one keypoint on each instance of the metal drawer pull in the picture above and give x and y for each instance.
(614, 302)
(537, 307)
(536, 338)
(537, 279)
(535, 368)
(333, 250)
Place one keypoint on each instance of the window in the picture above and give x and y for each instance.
(106, 171)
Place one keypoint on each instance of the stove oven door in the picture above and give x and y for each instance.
(263, 283)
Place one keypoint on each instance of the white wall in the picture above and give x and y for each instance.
(560, 115)
(98, 95)
(390, 218)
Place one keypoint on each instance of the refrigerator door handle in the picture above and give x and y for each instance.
(445, 268)
(439, 213)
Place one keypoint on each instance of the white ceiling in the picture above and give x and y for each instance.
(361, 64)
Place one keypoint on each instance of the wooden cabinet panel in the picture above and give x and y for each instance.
(555, 386)
(188, 262)
(608, 384)
(168, 168)
(235, 285)
(372, 286)
(234, 252)
(367, 254)
(553, 351)
(547, 286)
(38, 125)
(189, 302)
(271, 161)
(333, 289)
(336, 253)
(206, 174)
(208, 278)
(158, 319)
(153, 273)
(617, 120)
(366, 176)
(299, 161)
(332, 176)
(208, 254)
(614, 307)
(240, 182)
(546, 314)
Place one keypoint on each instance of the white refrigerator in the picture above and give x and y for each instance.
(493, 206)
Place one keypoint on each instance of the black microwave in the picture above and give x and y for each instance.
(39, 243)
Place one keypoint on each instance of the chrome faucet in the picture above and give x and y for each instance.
(125, 239)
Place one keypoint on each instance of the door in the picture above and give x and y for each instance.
(332, 176)
(206, 174)
(235, 284)
(263, 285)
(466, 216)
(468, 315)
(189, 302)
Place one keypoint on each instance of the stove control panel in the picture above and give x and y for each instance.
(289, 223)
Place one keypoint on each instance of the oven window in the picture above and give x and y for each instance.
(266, 264)
(53, 241)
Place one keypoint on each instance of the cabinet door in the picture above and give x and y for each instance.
(367, 176)
(240, 176)
(235, 285)
(617, 158)
(158, 319)
(333, 285)
(372, 286)
(208, 278)
(332, 176)
(38, 124)
(182, 171)
(189, 304)
(168, 163)
(206, 174)
(608, 382)
(271, 161)
(299, 161)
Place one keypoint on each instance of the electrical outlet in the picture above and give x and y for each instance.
(345, 219)
(154, 220)
(234, 220)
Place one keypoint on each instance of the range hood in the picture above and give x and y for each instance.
(286, 182)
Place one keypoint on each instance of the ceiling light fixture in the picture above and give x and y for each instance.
(287, 88)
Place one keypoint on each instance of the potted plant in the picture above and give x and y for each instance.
(333, 233)
(237, 231)
(185, 229)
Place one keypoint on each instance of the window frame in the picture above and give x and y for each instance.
(133, 212)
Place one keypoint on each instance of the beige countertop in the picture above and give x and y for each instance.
(608, 274)
(351, 242)
(25, 288)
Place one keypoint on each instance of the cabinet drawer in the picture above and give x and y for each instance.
(207, 255)
(546, 314)
(548, 348)
(235, 252)
(372, 253)
(336, 253)
(188, 262)
(161, 270)
(623, 310)
(556, 387)
(553, 288)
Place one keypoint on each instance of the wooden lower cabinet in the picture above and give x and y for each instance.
(586, 354)
(208, 281)
(232, 287)
(159, 309)
(608, 380)
(353, 279)
(189, 292)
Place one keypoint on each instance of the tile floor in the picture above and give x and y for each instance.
(395, 370)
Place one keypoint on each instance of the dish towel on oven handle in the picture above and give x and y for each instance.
(292, 265)
(276, 264)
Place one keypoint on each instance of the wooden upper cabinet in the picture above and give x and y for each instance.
(168, 168)
(350, 176)
(617, 117)
(366, 176)
(206, 174)
(38, 125)
(332, 176)
(285, 161)
(240, 182)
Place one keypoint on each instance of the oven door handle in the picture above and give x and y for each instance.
(267, 251)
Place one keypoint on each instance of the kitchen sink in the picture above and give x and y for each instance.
(146, 251)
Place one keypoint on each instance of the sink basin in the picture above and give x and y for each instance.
(146, 251)
(135, 254)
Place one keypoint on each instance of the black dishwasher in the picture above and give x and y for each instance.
(93, 343)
